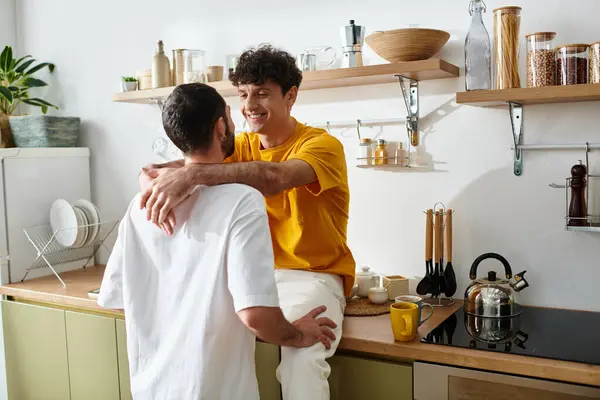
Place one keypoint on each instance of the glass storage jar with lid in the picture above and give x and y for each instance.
(572, 64)
(507, 25)
(541, 69)
(194, 66)
(595, 62)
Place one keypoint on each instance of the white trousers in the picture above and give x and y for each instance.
(303, 372)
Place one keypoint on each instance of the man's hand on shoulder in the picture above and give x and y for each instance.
(163, 187)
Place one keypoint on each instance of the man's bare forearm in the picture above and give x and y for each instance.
(270, 325)
(263, 176)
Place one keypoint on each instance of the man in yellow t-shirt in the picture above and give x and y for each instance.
(302, 173)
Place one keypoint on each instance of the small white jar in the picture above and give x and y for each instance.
(378, 295)
(365, 152)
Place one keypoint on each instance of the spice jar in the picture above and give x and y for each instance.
(194, 66)
(541, 67)
(381, 154)
(365, 152)
(572, 64)
(594, 63)
(507, 23)
(399, 158)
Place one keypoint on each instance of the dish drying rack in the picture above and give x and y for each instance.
(50, 252)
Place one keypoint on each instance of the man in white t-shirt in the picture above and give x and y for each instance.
(194, 301)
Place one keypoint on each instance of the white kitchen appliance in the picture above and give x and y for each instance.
(31, 179)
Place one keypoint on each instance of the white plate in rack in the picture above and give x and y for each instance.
(64, 222)
(93, 217)
(83, 231)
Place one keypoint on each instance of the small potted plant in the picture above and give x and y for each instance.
(128, 83)
(16, 79)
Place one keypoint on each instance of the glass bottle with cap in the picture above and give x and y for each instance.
(381, 154)
(478, 57)
(399, 157)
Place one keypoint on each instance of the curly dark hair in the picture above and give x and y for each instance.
(266, 62)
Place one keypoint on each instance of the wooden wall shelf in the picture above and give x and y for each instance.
(519, 97)
(331, 78)
(525, 96)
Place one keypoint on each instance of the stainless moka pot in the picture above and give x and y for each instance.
(353, 37)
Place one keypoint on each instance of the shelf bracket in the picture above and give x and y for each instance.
(410, 93)
(516, 121)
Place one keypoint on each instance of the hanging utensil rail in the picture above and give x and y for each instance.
(559, 146)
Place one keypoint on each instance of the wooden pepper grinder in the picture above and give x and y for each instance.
(577, 207)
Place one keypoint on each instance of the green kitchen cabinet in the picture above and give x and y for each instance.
(36, 352)
(123, 361)
(355, 378)
(92, 354)
(267, 359)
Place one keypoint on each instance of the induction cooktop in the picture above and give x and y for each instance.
(538, 332)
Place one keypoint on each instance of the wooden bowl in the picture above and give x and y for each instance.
(409, 44)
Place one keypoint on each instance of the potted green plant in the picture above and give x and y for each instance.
(16, 79)
(128, 83)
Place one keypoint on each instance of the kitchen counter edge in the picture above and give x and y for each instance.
(362, 335)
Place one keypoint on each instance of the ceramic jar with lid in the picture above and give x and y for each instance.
(378, 295)
(365, 279)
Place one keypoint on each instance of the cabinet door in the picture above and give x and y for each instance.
(436, 382)
(92, 350)
(267, 359)
(36, 352)
(354, 378)
(123, 361)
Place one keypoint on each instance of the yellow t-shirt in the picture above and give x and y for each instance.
(309, 223)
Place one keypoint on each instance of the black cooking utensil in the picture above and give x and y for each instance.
(435, 291)
(441, 256)
(424, 285)
(450, 277)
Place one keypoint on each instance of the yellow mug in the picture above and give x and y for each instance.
(405, 321)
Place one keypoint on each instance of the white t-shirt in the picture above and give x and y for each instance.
(181, 293)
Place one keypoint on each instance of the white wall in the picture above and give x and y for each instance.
(8, 29)
(94, 43)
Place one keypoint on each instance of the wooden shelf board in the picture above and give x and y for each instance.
(541, 95)
(331, 78)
